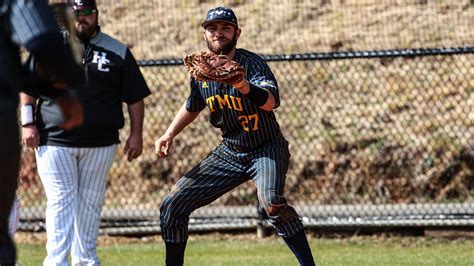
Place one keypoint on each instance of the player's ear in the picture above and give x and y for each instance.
(237, 32)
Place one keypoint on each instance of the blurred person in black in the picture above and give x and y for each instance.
(30, 24)
(73, 165)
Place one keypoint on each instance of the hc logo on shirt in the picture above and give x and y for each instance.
(101, 60)
(78, 2)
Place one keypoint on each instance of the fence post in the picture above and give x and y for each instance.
(262, 230)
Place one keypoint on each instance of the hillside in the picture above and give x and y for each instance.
(170, 29)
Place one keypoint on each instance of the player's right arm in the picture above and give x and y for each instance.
(180, 121)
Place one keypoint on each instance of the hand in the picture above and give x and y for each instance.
(165, 141)
(30, 136)
(133, 146)
(242, 85)
(72, 111)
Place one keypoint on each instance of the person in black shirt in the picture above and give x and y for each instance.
(73, 165)
(253, 145)
(28, 23)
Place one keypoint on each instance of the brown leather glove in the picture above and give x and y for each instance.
(207, 66)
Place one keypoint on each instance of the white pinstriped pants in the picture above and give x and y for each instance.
(74, 180)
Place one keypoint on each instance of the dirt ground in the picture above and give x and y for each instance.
(40, 237)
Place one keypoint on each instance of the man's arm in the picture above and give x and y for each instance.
(180, 121)
(134, 144)
(258, 95)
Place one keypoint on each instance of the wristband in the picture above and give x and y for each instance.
(257, 95)
(27, 115)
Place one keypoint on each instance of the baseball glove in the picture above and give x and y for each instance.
(206, 66)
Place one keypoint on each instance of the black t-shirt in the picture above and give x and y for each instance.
(112, 77)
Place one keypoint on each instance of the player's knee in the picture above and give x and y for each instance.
(272, 204)
(167, 204)
(170, 209)
(275, 209)
(168, 201)
(282, 213)
(166, 209)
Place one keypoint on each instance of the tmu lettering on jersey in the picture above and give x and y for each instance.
(222, 101)
(101, 60)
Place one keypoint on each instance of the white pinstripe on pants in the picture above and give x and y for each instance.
(74, 180)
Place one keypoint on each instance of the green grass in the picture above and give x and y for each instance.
(272, 251)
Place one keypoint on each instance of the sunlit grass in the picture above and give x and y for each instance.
(235, 250)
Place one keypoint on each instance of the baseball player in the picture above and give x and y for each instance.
(73, 165)
(253, 146)
(28, 23)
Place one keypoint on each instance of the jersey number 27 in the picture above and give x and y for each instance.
(248, 121)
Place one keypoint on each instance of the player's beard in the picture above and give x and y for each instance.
(225, 48)
(86, 31)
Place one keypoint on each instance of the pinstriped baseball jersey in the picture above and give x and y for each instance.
(253, 148)
(242, 122)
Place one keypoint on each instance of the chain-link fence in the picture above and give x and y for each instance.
(370, 134)
(377, 138)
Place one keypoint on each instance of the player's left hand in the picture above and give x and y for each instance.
(133, 146)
